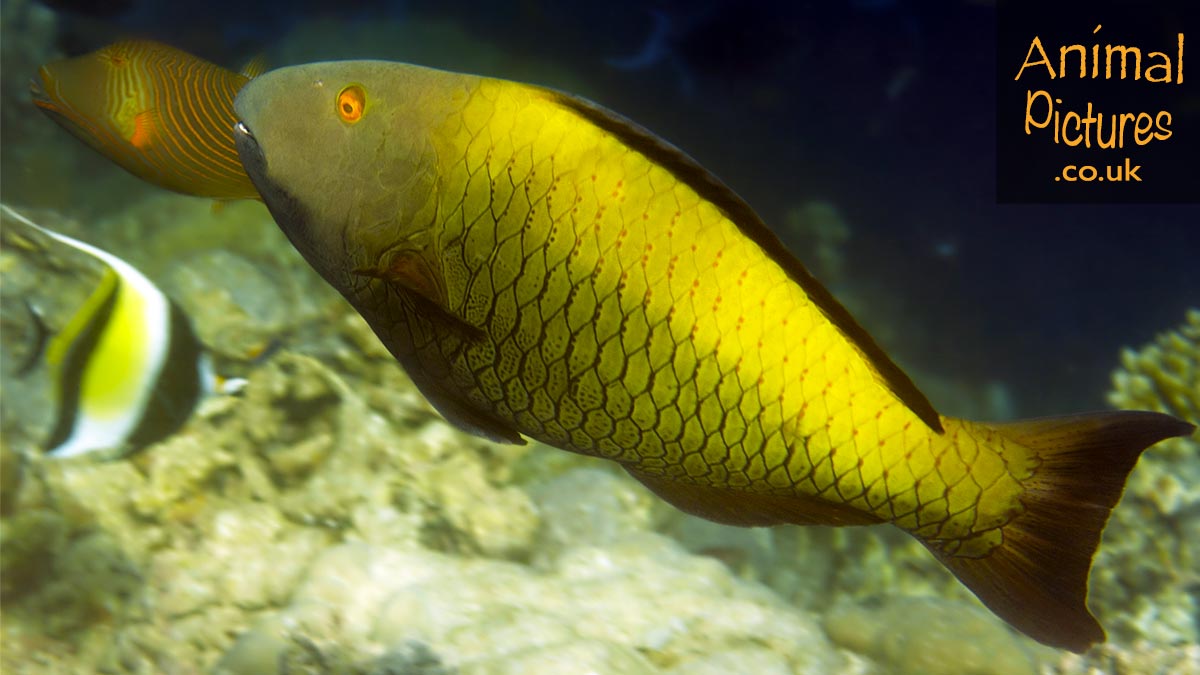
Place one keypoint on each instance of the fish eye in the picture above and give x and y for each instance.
(351, 103)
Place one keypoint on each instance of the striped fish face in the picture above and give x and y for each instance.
(160, 113)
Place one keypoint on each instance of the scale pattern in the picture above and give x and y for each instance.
(628, 318)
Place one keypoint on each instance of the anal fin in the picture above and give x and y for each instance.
(743, 508)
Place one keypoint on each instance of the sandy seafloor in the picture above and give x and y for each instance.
(326, 520)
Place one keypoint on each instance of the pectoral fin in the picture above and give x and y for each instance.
(410, 270)
(468, 420)
(412, 273)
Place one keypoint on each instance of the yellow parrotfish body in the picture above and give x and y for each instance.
(543, 267)
(160, 113)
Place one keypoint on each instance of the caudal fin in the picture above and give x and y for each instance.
(1037, 579)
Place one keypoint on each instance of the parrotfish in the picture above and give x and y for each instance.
(160, 113)
(127, 369)
(545, 268)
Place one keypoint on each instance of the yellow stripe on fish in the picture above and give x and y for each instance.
(160, 113)
(543, 267)
(128, 370)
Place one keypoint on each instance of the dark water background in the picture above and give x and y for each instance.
(884, 108)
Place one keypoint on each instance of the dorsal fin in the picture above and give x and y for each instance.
(710, 188)
(255, 66)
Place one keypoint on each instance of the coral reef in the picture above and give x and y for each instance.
(1146, 586)
(1143, 658)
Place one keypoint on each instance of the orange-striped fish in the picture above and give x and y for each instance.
(160, 113)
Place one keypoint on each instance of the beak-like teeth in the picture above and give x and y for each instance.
(37, 92)
(242, 129)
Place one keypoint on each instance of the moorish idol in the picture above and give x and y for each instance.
(127, 369)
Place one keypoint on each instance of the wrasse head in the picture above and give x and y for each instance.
(74, 93)
(310, 135)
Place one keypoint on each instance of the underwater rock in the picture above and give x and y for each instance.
(580, 657)
(29, 542)
(230, 269)
(176, 473)
(1146, 585)
(1142, 657)
(930, 636)
(742, 660)
(641, 605)
(590, 505)
(239, 318)
(82, 582)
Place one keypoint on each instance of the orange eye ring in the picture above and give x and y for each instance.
(351, 103)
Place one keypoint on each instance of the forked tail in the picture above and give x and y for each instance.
(1037, 579)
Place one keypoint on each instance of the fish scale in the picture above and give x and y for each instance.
(542, 267)
(717, 437)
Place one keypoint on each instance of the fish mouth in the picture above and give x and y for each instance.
(249, 151)
(40, 98)
(240, 129)
(289, 213)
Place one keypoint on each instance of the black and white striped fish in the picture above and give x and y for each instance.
(128, 369)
